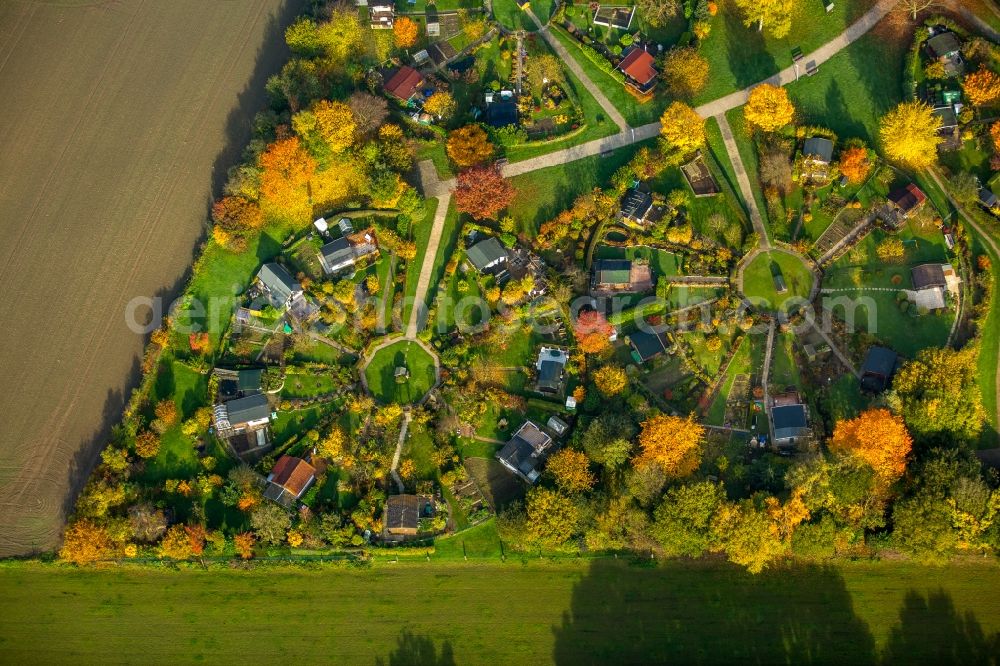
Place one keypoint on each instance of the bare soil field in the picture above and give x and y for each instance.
(120, 120)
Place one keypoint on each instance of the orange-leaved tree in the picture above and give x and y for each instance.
(671, 442)
(877, 437)
(85, 541)
(468, 146)
(571, 470)
(244, 543)
(768, 108)
(286, 171)
(404, 32)
(982, 87)
(483, 192)
(592, 331)
(855, 164)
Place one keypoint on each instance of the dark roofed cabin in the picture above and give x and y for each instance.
(878, 369)
(646, 346)
(635, 205)
(525, 452)
(336, 255)
(487, 254)
(790, 423)
(928, 276)
(403, 513)
(280, 286)
(502, 113)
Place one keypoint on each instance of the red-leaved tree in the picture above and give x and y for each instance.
(592, 331)
(482, 192)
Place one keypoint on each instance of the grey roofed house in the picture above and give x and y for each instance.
(248, 409)
(526, 451)
(789, 422)
(403, 513)
(280, 285)
(551, 367)
(636, 204)
(646, 345)
(928, 276)
(987, 199)
(878, 368)
(944, 45)
(501, 113)
(337, 255)
(487, 254)
(819, 149)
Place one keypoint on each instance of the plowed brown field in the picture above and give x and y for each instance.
(119, 118)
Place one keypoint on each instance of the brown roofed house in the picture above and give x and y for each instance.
(289, 480)
(403, 513)
(404, 83)
(906, 202)
(637, 66)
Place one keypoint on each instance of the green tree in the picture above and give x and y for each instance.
(682, 520)
(607, 440)
(552, 517)
(270, 522)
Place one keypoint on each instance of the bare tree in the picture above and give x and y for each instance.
(914, 7)
(370, 111)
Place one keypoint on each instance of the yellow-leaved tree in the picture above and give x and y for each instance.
(672, 443)
(571, 470)
(909, 135)
(877, 437)
(610, 380)
(768, 108)
(468, 146)
(682, 129)
(685, 71)
(775, 16)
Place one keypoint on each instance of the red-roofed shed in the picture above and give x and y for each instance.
(404, 83)
(637, 66)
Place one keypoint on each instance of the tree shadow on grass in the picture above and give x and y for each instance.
(932, 631)
(415, 650)
(746, 51)
(839, 116)
(684, 613)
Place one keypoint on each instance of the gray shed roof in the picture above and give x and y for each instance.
(486, 252)
(337, 253)
(818, 148)
(278, 281)
(926, 276)
(789, 421)
(250, 408)
(635, 204)
(646, 345)
(943, 44)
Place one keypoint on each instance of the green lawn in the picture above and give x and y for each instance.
(784, 371)
(854, 88)
(989, 349)
(759, 281)
(513, 17)
(748, 154)
(435, 612)
(740, 56)
(741, 364)
(381, 373)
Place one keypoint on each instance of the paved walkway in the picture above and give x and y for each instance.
(743, 181)
(419, 309)
(986, 238)
(612, 112)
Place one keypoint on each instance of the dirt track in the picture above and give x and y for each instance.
(119, 118)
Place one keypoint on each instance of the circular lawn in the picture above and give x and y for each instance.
(404, 386)
(775, 281)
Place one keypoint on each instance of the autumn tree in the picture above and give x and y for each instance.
(658, 12)
(592, 331)
(855, 164)
(286, 169)
(890, 249)
(166, 411)
(545, 69)
(682, 129)
(147, 444)
(334, 446)
(483, 192)
(748, 536)
(685, 71)
(982, 87)
(879, 438)
(330, 124)
(370, 111)
(85, 541)
(909, 134)
(342, 37)
(147, 522)
(768, 108)
(671, 443)
(237, 214)
(404, 32)
(938, 395)
(244, 544)
(610, 380)
(775, 16)
(468, 146)
(552, 517)
(440, 105)
(175, 544)
(302, 37)
(571, 470)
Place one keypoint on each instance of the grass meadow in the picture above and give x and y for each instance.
(483, 610)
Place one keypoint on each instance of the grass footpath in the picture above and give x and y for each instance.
(521, 611)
